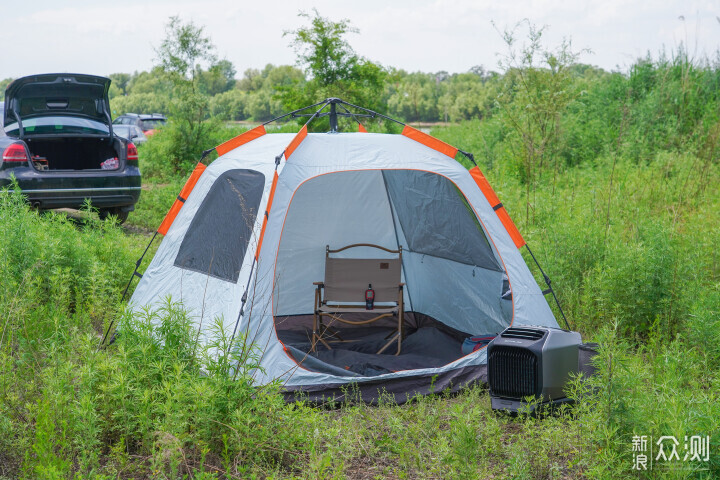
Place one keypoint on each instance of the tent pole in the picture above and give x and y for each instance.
(469, 156)
(294, 112)
(372, 112)
(333, 117)
(550, 289)
(350, 113)
(242, 302)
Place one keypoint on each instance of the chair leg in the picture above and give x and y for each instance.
(319, 330)
(322, 340)
(315, 337)
(400, 331)
(401, 318)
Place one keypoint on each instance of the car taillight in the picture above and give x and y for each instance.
(15, 153)
(132, 154)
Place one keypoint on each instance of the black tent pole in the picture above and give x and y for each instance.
(333, 117)
(243, 300)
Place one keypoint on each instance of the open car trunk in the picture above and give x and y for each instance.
(75, 153)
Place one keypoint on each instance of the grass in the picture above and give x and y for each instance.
(144, 410)
(629, 236)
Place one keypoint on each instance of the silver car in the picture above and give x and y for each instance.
(130, 132)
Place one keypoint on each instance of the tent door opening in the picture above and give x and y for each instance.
(451, 274)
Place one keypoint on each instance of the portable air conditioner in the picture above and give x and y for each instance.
(531, 362)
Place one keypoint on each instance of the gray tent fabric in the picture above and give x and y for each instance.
(436, 218)
(461, 296)
(314, 221)
(219, 234)
(460, 265)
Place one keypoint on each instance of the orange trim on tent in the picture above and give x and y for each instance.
(510, 227)
(180, 201)
(241, 139)
(296, 142)
(267, 214)
(494, 201)
(361, 129)
(484, 186)
(429, 141)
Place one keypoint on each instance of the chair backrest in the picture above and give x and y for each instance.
(346, 279)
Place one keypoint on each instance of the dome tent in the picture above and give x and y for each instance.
(249, 235)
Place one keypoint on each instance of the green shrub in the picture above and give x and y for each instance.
(155, 201)
(62, 282)
(660, 389)
(167, 154)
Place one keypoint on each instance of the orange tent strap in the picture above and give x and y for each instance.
(296, 142)
(180, 201)
(170, 217)
(484, 186)
(272, 191)
(429, 141)
(262, 235)
(361, 129)
(241, 139)
(510, 227)
(267, 214)
(494, 202)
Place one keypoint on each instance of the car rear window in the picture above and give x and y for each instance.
(152, 123)
(71, 104)
(57, 124)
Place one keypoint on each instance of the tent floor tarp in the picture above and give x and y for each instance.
(399, 391)
(426, 344)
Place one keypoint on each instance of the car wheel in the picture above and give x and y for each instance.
(105, 213)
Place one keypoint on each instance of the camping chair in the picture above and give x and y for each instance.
(343, 291)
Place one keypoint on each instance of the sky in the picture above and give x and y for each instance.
(102, 37)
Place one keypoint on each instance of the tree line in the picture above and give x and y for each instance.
(260, 94)
(542, 109)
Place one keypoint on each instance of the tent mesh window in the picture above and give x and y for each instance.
(217, 239)
(437, 219)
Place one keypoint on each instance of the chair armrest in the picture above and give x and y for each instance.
(320, 284)
(401, 285)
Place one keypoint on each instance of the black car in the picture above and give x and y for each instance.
(60, 146)
(147, 122)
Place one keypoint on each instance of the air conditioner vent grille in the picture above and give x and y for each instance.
(513, 372)
(523, 333)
